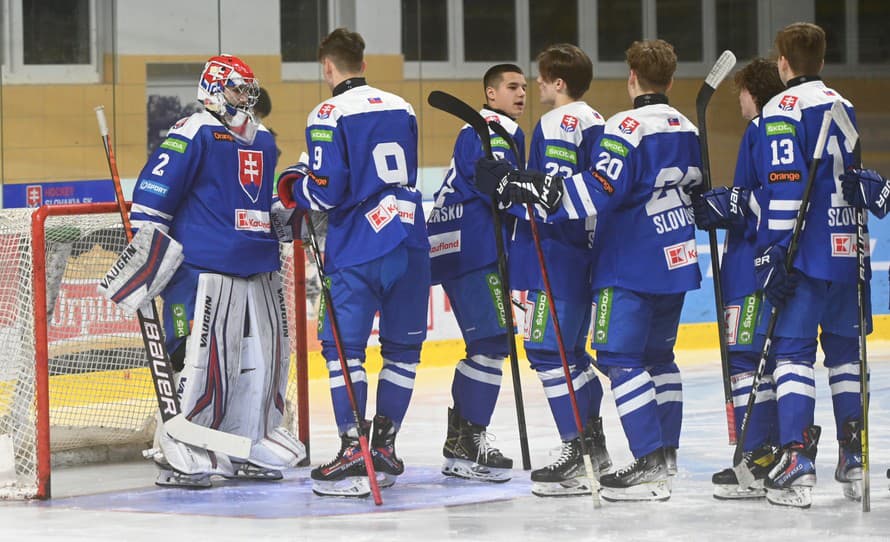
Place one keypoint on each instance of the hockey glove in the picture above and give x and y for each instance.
(777, 284)
(866, 189)
(489, 173)
(286, 221)
(288, 178)
(531, 187)
(721, 208)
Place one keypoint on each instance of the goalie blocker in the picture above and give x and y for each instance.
(142, 270)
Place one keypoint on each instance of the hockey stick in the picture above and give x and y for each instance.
(175, 422)
(344, 364)
(718, 72)
(454, 106)
(852, 136)
(743, 474)
(551, 303)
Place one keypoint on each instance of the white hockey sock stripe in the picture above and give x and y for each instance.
(356, 372)
(479, 376)
(844, 378)
(794, 378)
(399, 374)
(668, 387)
(555, 383)
(636, 393)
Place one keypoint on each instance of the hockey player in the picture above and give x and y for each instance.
(644, 258)
(562, 143)
(209, 186)
(464, 261)
(821, 291)
(362, 172)
(757, 83)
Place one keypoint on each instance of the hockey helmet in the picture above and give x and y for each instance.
(229, 89)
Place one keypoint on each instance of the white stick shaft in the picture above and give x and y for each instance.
(100, 116)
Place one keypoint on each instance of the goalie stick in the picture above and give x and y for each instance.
(551, 303)
(454, 106)
(718, 72)
(743, 473)
(839, 113)
(175, 423)
(344, 364)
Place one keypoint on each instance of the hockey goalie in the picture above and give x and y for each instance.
(206, 193)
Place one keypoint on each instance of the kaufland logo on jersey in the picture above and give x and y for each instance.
(681, 254)
(787, 102)
(628, 125)
(250, 172)
(252, 220)
(325, 111)
(843, 245)
(569, 123)
(34, 195)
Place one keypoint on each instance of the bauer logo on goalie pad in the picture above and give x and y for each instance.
(142, 270)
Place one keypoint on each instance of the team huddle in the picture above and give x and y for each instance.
(606, 208)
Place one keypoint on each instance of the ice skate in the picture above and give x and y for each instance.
(646, 479)
(595, 439)
(345, 475)
(760, 462)
(383, 449)
(791, 481)
(670, 460)
(565, 477)
(849, 462)
(249, 471)
(469, 455)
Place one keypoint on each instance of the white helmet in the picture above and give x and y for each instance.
(229, 89)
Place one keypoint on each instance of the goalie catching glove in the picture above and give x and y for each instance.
(721, 208)
(507, 185)
(142, 270)
(866, 189)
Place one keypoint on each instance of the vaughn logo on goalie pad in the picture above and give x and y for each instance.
(142, 270)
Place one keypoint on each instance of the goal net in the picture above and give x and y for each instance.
(74, 384)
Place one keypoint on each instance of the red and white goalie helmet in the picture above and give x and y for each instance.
(229, 89)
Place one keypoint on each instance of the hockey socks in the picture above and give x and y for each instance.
(477, 382)
(557, 393)
(795, 398)
(634, 394)
(340, 398)
(669, 401)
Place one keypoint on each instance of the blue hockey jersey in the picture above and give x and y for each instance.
(212, 194)
(562, 143)
(789, 129)
(363, 150)
(737, 265)
(460, 225)
(645, 161)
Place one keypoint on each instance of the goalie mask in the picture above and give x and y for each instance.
(229, 90)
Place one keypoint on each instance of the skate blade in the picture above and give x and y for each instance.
(183, 481)
(468, 470)
(732, 492)
(795, 496)
(853, 490)
(649, 491)
(256, 474)
(351, 486)
(567, 488)
(385, 480)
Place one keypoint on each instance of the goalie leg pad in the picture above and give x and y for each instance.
(142, 270)
(172, 455)
(207, 385)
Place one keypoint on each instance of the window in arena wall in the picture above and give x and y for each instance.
(736, 28)
(424, 30)
(856, 36)
(52, 41)
(303, 25)
(552, 22)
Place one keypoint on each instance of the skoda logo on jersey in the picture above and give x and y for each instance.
(325, 111)
(250, 172)
(569, 123)
(787, 102)
(628, 125)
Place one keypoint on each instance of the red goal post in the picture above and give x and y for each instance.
(74, 385)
